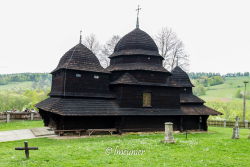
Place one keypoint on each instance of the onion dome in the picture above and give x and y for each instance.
(80, 58)
(136, 42)
(180, 77)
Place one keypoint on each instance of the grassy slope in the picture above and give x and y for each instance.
(227, 90)
(14, 125)
(206, 149)
(17, 86)
(224, 94)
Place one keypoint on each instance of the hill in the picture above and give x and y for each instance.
(223, 97)
(20, 91)
(226, 91)
(25, 85)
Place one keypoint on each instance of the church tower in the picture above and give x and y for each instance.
(79, 74)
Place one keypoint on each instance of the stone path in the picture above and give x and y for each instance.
(45, 131)
(13, 135)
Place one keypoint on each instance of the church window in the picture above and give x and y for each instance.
(96, 76)
(146, 99)
(78, 75)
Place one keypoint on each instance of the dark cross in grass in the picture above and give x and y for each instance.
(26, 148)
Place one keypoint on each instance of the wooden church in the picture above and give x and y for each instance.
(134, 93)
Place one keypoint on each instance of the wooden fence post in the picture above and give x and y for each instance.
(7, 117)
(246, 124)
(225, 123)
(31, 116)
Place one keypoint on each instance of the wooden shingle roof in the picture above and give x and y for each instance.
(107, 95)
(80, 58)
(180, 77)
(190, 98)
(125, 79)
(198, 110)
(136, 42)
(136, 66)
(128, 79)
(108, 107)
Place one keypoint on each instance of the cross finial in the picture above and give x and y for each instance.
(138, 11)
(80, 37)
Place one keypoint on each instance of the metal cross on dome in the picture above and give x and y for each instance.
(138, 11)
(80, 37)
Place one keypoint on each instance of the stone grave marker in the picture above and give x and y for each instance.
(236, 129)
(169, 138)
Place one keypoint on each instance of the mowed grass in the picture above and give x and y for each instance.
(215, 148)
(14, 125)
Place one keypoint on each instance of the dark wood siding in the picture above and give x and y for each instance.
(162, 97)
(124, 123)
(143, 76)
(155, 60)
(57, 81)
(187, 90)
(87, 82)
(147, 76)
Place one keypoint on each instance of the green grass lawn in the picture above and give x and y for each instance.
(215, 148)
(14, 125)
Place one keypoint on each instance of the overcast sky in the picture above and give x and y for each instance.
(35, 34)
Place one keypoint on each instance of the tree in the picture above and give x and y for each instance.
(199, 90)
(171, 48)
(102, 52)
(108, 49)
(92, 44)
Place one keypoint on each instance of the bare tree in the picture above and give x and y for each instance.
(171, 49)
(108, 49)
(101, 51)
(179, 57)
(92, 43)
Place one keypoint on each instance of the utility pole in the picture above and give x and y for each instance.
(244, 102)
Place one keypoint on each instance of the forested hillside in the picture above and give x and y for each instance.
(223, 93)
(24, 90)
(43, 78)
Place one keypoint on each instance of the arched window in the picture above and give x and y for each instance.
(146, 99)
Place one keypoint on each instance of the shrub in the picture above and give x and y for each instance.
(199, 90)
(238, 94)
